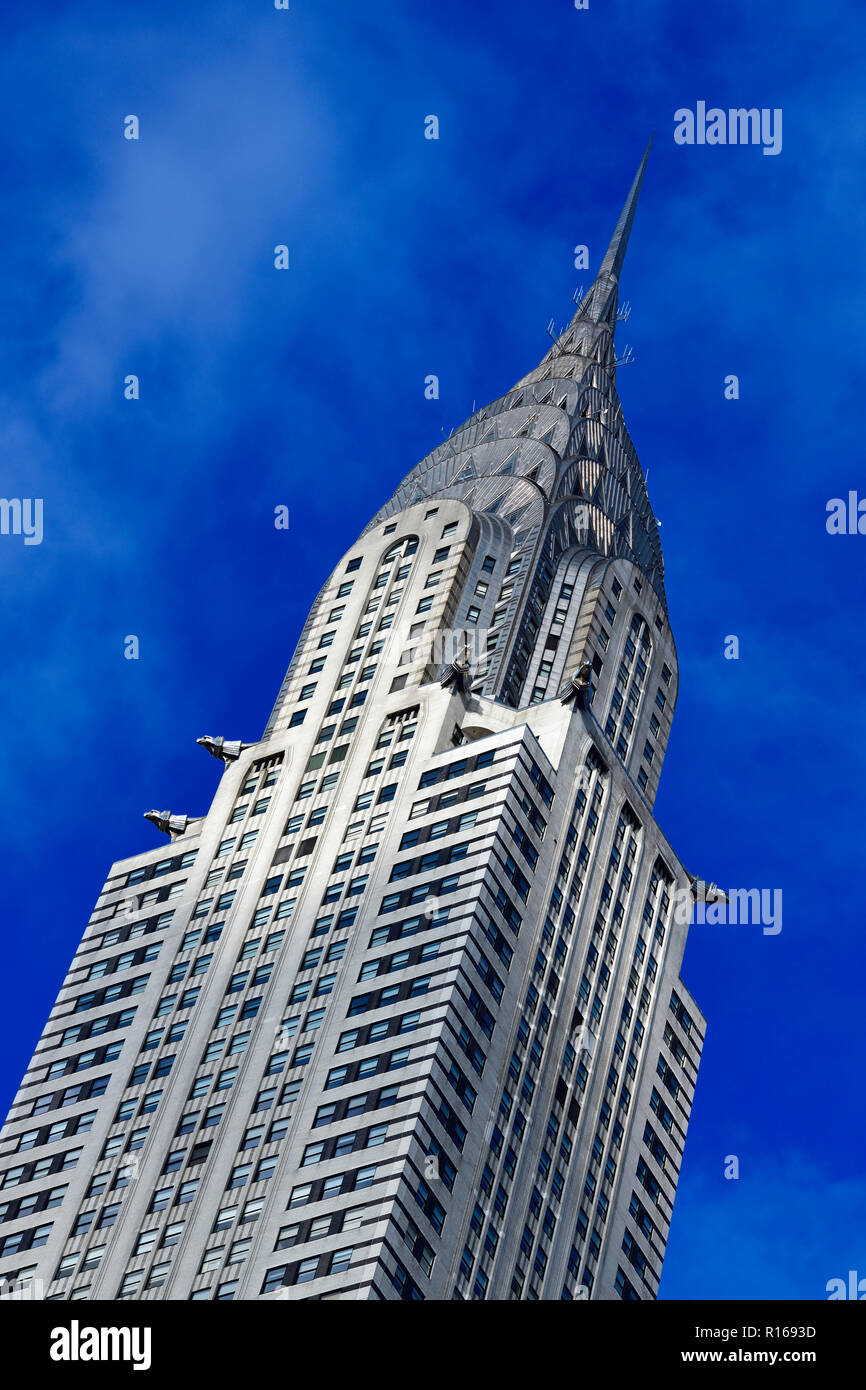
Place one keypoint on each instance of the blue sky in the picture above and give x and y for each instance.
(305, 388)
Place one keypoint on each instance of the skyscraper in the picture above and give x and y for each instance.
(401, 1015)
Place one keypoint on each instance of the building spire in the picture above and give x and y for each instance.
(601, 303)
(615, 255)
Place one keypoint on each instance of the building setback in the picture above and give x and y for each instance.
(400, 1017)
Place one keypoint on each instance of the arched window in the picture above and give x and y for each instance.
(407, 545)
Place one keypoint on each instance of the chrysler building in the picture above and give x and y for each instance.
(400, 1016)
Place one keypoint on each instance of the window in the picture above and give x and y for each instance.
(212, 1259)
(307, 1270)
(239, 1175)
(253, 1137)
(288, 1236)
(340, 1260)
(225, 1218)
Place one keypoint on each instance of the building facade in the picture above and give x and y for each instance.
(401, 1016)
